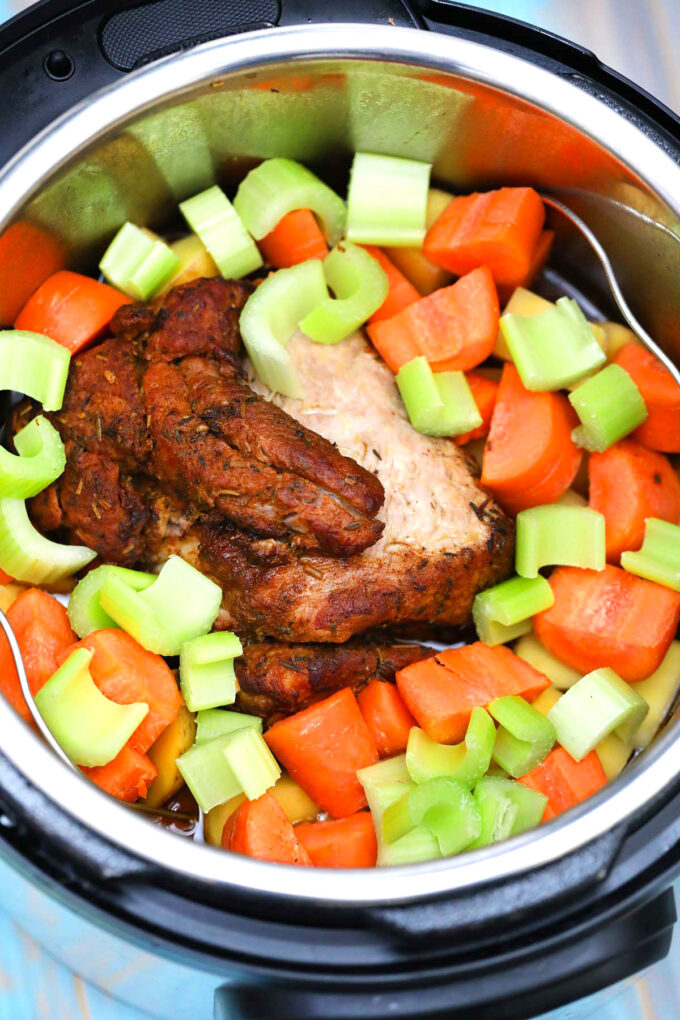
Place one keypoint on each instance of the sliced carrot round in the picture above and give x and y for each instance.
(340, 843)
(260, 828)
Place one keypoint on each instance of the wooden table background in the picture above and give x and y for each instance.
(639, 38)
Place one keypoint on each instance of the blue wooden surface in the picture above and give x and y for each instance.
(33, 986)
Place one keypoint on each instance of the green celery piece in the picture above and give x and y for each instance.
(599, 704)
(180, 605)
(33, 364)
(211, 215)
(524, 737)
(466, 762)
(507, 808)
(444, 805)
(88, 726)
(250, 760)
(552, 535)
(271, 315)
(554, 349)
(415, 847)
(27, 555)
(504, 612)
(214, 722)
(279, 186)
(84, 611)
(438, 403)
(384, 783)
(360, 286)
(40, 461)
(207, 773)
(387, 200)
(610, 406)
(138, 263)
(206, 670)
(659, 558)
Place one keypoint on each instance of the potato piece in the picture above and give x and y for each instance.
(546, 700)
(294, 801)
(8, 594)
(194, 262)
(658, 690)
(614, 337)
(613, 754)
(572, 498)
(423, 274)
(532, 651)
(215, 820)
(173, 742)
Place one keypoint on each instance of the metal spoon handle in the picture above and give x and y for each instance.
(614, 285)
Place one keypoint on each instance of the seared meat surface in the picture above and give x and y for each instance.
(277, 680)
(321, 518)
(169, 404)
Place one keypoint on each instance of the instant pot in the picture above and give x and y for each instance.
(114, 111)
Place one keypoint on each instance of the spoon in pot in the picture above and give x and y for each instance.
(47, 734)
(620, 300)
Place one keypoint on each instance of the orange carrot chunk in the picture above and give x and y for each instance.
(126, 673)
(499, 229)
(608, 618)
(401, 291)
(341, 843)
(564, 781)
(9, 680)
(28, 255)
(539, 257)
(454, 327)
(386, 716)
(44, 635)
(71, 309)
(529, 457)
(260, 828)
(128, 776)
(661, 394)
(5, 578)
(484, 391)
(322, 747)
(296, 238)
(442, 691)
(627, 484)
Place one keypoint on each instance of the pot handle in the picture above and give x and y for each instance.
(533, 979)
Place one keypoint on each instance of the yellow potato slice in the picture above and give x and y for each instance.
(173, 742)
(423, 274)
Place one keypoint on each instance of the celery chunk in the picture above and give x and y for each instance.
(180, 605)
(214, 219)
(251, 761)
(507, 808)
(599, 704)
(206, 670)
(214, 722)
(84, 611)
(554, 535)
(387, 200)
(271, 315)
(444, 806)
(415, 847)
(610, 406)
(26, 555)
(437, 403)
(207, 773)
(360, 286)
(466, 762)
(41, 459)
(138, 263)
(89, 727)
(524, 737)
(659, 558)
(33, 364)
(553, 349)
(279, 186)
(504, 612)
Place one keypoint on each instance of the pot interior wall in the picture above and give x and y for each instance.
(320, 112)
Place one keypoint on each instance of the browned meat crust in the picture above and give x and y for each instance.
(165, 400)
(278, 680)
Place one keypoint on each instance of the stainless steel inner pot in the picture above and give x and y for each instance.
(484, 118)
